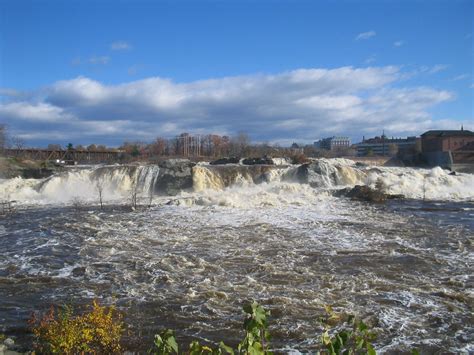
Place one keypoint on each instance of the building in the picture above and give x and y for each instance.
(451, 149)
(333, 143)
(383, 146)
(444, 141)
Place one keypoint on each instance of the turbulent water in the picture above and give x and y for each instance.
(273, 234)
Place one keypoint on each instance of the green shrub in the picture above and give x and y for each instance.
(353, 336)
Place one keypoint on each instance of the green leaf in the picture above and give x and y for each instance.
(226, 349)
(248, 308)
(370, 349)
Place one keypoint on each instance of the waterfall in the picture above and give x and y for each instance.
(175, 177)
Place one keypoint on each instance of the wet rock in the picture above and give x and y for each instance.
(32, 173)
(175, 175)
(224, 161)
(9, 342)
(258, 161)
(79, 271)
(365, 193)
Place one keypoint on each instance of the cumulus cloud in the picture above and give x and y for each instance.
(299, 105)
(398, 43)
(120, 46)
(365, 35)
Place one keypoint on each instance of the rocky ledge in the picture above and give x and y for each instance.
(365, 193)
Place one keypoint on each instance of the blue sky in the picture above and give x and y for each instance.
(283, 71)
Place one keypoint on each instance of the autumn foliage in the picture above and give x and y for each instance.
(97, 331)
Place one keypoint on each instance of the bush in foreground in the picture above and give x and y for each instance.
(99, 332)
(95, 332)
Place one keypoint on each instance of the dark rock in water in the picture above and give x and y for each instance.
(258, 161)
(36, 173)
(78, 271)
(224, 161)
(302, 173)
(453, 173)
(365, 193)
(175, 175)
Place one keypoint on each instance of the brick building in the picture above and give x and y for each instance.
(444, 141)
(451, 149)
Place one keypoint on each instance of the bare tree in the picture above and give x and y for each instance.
(134, 194)
(3, 137)
(54, 147)
(150, 195)
(17, 142)
(100, 190)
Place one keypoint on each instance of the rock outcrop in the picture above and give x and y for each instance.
(366, 193)
(175, 175)
(224, 161)
(258, 161)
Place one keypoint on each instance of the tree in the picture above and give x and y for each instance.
(54, 147)
(3, 137)
(18, 142)
(100, 190)
(158, 147)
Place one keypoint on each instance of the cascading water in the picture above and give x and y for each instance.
(232, 233)
(322, 174)
(82, 184)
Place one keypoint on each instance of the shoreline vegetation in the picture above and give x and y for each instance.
(100, 329)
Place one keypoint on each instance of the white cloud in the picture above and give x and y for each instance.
(120, 46)
(365, 35)
(304, 104)
(99, 60)
(436, 68)
(398, 43)
(461, 77)
(34, 112)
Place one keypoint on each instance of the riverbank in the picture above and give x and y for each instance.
(28, 169)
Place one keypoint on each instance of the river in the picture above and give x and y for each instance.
(190, 261)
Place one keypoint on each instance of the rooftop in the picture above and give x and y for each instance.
(448, 133)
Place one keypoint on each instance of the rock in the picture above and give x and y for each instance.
(9, 342)
(224, 161)
(258, 161)
(175, 175)
(79, 271)
(39, 173)
(365, 193)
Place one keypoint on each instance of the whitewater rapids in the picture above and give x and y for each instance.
(328, 174)
(273, 234)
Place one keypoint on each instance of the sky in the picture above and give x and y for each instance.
(281, 71)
